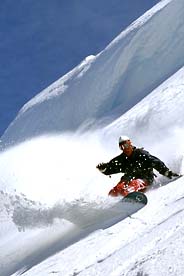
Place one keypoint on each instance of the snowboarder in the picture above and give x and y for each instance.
(137, 166)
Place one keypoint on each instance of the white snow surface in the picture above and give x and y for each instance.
(55, 215)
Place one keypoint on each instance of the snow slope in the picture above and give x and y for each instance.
(148, 243)
(112, 251)
(53, 201)
(136, 62)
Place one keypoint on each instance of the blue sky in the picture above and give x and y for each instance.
(42, 40)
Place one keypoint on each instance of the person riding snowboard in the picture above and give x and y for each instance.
(137, 166)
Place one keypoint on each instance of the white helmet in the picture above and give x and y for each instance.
(123, 138)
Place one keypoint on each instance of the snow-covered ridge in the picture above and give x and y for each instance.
(130, 68)
(60, 85)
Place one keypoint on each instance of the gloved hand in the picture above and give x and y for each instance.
(170, 174)
(101, 167)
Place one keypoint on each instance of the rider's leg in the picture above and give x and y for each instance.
(119, 189)
(136, 185)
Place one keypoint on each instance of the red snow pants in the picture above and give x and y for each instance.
(125, 187)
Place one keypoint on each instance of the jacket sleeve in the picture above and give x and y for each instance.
(157, 164)
(113, 166)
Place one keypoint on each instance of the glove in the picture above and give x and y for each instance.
(170, 174)
(101, 167)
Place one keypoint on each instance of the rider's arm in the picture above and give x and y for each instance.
(113, 166)
(161, 167)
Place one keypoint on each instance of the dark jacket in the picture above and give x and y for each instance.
(139, 165)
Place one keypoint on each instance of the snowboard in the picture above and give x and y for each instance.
(136, 198)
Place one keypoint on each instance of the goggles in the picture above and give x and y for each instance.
(125, 144)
